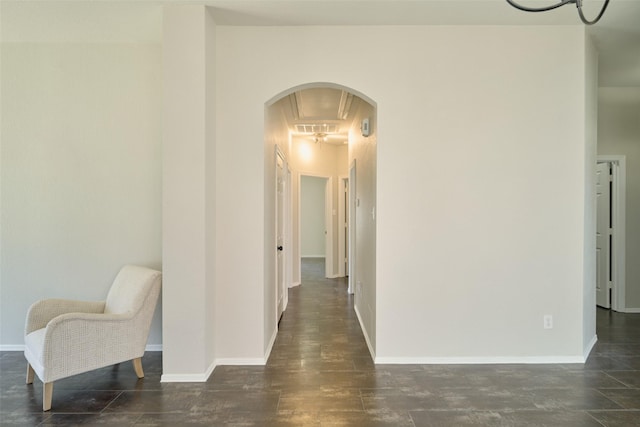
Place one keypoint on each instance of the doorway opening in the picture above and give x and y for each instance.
(321, 130)
(315, 220)
(610, 233)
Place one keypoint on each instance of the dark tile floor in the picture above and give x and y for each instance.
(320, 374)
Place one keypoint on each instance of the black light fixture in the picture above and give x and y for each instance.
(562, 3)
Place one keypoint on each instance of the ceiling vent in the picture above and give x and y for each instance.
(317, 128)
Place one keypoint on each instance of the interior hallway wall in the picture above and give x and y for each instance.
(363, 153)
(619, 134)
(465, 220)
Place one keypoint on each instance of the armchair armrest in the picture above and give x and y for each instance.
(43, 311)
(77, 342)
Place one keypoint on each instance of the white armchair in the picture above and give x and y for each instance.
(65, 337)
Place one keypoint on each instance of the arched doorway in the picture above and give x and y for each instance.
(321, 129)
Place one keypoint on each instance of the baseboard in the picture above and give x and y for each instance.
(153, 347)
(333, 276)
(478, 360)
(589, 347)
(365, 333)
(12, 347)
(241, 361)
(294, 284)
(188, 378)
(631, 310)
(312, 256)
(270, 346)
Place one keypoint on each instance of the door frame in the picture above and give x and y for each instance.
(352, 228)
(282, 285)
(343, 224)
(618, 248)
(328, 222)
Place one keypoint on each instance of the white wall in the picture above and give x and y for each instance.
(188, 184)
(619, 133)
(471, 225)
(363, 152)
(591, 142)
(312, 216)
(81, 171)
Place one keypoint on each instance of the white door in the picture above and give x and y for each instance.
(281, 183)
(603, 236)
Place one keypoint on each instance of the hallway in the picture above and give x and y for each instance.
(320, 374)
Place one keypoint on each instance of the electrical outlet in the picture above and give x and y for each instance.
(548, 321)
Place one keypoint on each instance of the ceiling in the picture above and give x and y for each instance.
(617, 35)
(322, 115)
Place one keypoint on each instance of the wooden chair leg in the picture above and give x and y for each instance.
(137, 366)
(30, 373)
(47, 394)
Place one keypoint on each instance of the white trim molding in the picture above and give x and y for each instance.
(477, 360)
(272, 341)
(589, 347)
(365, 333)
(188, 378)
(255, 361)
(12, 347)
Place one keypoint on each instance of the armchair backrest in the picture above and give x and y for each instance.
(132, 288)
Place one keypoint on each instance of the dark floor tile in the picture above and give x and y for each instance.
(262, 403)
(562, 418)
(456, 418)
(384, 418)
(154, 401)
(617, 418)
(628, 378)
(91, 420)
(22, 419)
(192, 419)
(627, 398)
(321, 400)
(522, 418)
(571, 399)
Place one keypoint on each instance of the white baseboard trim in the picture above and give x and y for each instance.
(631, 310)
(365, 333)
(312, 256)
(294, 284)
(188, 378)
(153, 347)
(12, 347)
(241, 361)
(334, 276)
(270, 346)
(525, 360)
(589, 347)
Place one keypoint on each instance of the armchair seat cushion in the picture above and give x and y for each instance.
(34, 343)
